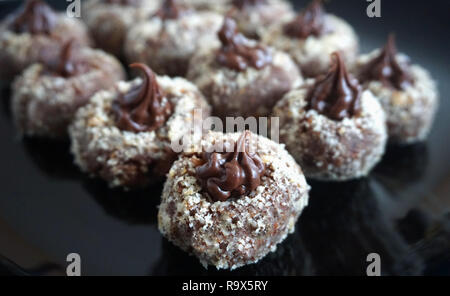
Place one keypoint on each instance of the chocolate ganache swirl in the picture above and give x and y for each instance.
(386, 69)
(336, 95)
(237, 52)
(309, 22)
(70, 62)
(170, 9)
(240, 4)
(143, 108)
(36, 17)
(231, 174)
(125, 2)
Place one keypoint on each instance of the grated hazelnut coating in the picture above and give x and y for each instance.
(410, 112)
(20, 50)
(252, 92)
(109, 23)
(130, 159)
(254, 21)
(168, 46)
(312, 55)
(240, 230)
(219, 6)
(327, 149)
(44, 104)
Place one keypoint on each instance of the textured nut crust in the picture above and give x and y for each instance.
(254, 21)
(328, 149)
(239, 231)
(410, 113)
(168, 47)
(44, 104)
(219, 6)
(109, 23)
(312, 54)
(18, 51)
(249, 93)
(129, 159)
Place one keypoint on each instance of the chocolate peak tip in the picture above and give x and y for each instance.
(336, 94)
(36, 17)
(237, 52)
(385, 68)
(240, 4)
(231, 174)
(170, 9)
(143, 108)
(309, 21)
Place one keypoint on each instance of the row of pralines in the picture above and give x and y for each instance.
(335, 126)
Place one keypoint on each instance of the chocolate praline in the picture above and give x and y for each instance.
(333, 129)
(243, 77)
(406, 91)
(35, 33)
(46, 97)
(168, 40)
(232, 208)
(310, 38)
(110, 20)
(125, 135)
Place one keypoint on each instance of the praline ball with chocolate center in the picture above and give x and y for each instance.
(35, 33)
(243, 77)
(406, 92)
(168, 40)
(334, 129)
(126, 135)
(232, 201)
(310, 38)
(110, 20)
(45, 97)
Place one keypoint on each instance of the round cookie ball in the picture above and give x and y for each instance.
(334, 130)
(110, 20)
(35, 33)
(125, 135)
(45, 98)
(311, 37)
(243, 77)
(228, 221)
(168, 40)
(407, 93)
(254, 17)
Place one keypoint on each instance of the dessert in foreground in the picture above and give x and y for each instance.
(312, 36)
(406, 92)
(333, 129)
(243, 77)
(232, 208)
(124, 135)
(168, 40)
(35, 33)
(47, 96)
(110, 20)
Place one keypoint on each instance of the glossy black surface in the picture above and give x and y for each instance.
(49, 209)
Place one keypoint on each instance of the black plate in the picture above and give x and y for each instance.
(48, 209)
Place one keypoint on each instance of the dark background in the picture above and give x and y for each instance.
(48, 209)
